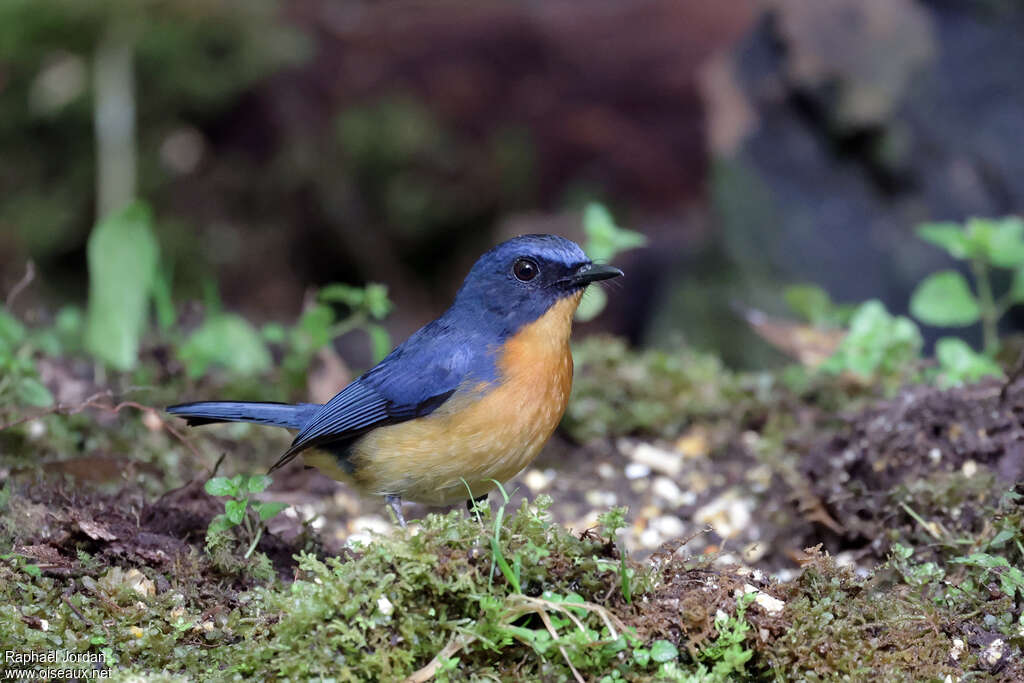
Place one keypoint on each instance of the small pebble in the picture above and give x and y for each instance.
(992, 654)
(728, 514)
(636, 470)
(753, 552)
(957, 649)
(36, 430)
(606, 471)
(601, 499)
(384, 606)
(667, 490)
(667, 462)
(668, 526)
(969, 469)
(537, 480)
(768, 603)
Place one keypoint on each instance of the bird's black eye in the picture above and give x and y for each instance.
(525, 269)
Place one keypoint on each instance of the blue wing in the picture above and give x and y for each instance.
(413, 381)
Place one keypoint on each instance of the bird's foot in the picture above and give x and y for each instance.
(396, 504)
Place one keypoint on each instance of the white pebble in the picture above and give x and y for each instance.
(994, 652)
(537, 480)
(728, 514)
(667, 490)
(637, 470)
(667, 462)
(957, 649)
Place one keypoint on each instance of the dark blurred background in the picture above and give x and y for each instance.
(284, 145)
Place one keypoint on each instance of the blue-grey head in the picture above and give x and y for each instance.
(516, 282)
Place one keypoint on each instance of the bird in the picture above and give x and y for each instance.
(467, 401)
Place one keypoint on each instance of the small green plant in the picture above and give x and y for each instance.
(237, 489)
(878, 344)
(19, 380)
(604, 241)
(320, 324)
(1011, 579)
(228, 340)
(611, 522)
(19, 562)
(881, 345)
(945, 298)
(727, 655)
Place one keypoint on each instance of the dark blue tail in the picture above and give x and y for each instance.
(276, 414)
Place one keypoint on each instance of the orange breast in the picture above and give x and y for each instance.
(481, 433)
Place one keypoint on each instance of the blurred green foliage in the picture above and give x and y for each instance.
(605, 240)
(877, 345)
(880, 346)
(945, 298)
(813, 304)
(123, 254)
(226, 340)
(193, 59)
(19, 381)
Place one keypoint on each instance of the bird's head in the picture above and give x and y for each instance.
(518, 281)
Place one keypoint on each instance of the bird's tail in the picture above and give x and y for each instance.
(275, 414)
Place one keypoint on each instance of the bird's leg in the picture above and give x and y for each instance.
(473, 501)
(396, 504)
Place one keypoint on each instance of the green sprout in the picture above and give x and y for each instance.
(945, 298)
(238, 488)
(605, 240)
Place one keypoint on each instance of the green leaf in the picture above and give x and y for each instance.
(338, 293)
(218, 524)
(950, 236)
(316, 322)
(378, 305)
(258, 482)
(227, 340)
(810, 302)
(122, 255)
(275, 333)
(12, 332)
(380, 342)
(945, 299)
(663, 651)
(1004, 240)
(30, 391)
(877, 342)
(220, 486)
(593, 302)
(960, 363)
(268, 510)
(234, 510)
(162, 300)
(604, 238)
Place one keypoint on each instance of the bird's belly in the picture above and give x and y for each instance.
(478, 436)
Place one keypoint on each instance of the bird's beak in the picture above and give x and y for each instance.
(593, 272)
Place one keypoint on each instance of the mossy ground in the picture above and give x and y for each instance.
(105, 516)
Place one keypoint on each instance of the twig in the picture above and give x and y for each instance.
(25, 281)
(72, 607)
(457, 642)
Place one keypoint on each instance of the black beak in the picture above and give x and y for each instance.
(593, 272)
